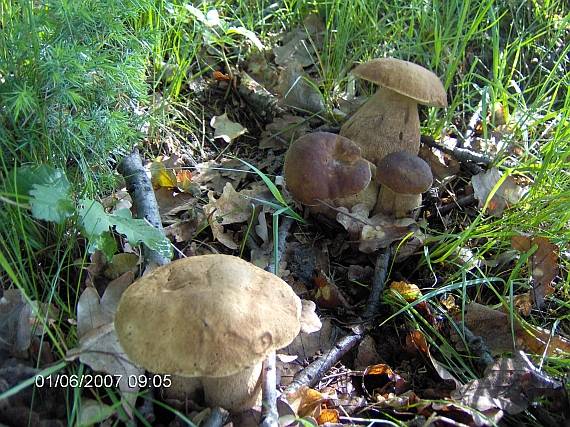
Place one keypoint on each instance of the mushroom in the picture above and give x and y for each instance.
(326, 167)
(403, 177)
(389, 120)
(215, 317)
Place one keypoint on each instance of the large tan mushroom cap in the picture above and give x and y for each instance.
(210, 315)
(405, 78)
(325, 166)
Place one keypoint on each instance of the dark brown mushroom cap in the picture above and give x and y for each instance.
(208, 315)
(405, 78)
(325, 166)
(404, 173)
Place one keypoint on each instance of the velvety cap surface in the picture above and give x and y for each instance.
(209, 315)
(325, 166)
(405, 78)
(405, 173)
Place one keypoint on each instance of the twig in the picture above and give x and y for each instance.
(217, 418)
(378, 281)
(269, 414)
(314, 372)
(461, 154)
(144, 200)
(460, 202)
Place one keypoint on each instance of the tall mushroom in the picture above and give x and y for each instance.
(403, 177)
(325, 167)
(212, 316)
(389, 120)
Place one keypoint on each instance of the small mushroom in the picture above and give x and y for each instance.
(389, 120)
(325, 167)
(403, 177)
(215, 317)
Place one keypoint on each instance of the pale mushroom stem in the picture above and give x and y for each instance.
(387, 122)
(396, 204)
(235, 393)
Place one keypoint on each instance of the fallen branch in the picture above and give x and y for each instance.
(460, 202)
(144, 200)
(378, 281)
(461, 154)
(312, 374)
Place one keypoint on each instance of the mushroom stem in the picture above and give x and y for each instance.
(387, 122)
(235, 393)
(396, 204)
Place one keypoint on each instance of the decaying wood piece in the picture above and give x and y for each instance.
(378, 281)
(144, 200)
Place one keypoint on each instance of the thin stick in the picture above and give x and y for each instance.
(269, 414)
(144, 200)
(315, 371)
(461, 154)
(378, 281)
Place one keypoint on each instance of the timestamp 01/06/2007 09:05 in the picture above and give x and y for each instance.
(101, 380)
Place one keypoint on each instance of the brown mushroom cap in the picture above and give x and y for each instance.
(404, 173)
(325, 166)
(210, 315)
(405, 78)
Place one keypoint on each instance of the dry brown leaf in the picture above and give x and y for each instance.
(366, 354)
(282, 131)
(120, 264)
(441, 167)
(383, 231)
(509, 384)
(328, 295)
(544, 264)
(184, 180)
(305, 401)
(99, 345)
(306, 345)
(494, 326)
(506, 195)
(298, 90)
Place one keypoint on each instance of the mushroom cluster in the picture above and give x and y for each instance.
(215, 317)
(383, 136)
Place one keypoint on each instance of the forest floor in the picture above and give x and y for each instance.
(468, 319)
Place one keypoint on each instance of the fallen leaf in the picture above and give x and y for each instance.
(494, 327)
(92, 412)
(328, 416)
(184, 180)
(408, 291)
(99, 346)
(442, 167)
(544, 264)
(306, 345)
(366, 354)
(305, 401)
(383, 231)
(328, 295)
(523, 303)
(226, 129)
(282, 131)
(509, 384)
(506, 195)
(161, 176)
(296, 49)
(298, 90)
(120, 264)
(381, 380)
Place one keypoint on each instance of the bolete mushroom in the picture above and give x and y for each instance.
(212, 316)
(403, 177)
(326, 167)
(389, 120)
